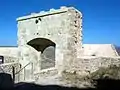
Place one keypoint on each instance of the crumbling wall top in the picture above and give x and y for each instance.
(46, 13)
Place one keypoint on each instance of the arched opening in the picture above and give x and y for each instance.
(47, 49)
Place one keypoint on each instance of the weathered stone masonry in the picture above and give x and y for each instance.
(61, 29)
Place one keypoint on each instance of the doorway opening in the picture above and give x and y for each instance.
(47, 49)
(1, 59)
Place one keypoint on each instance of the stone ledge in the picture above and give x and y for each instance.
(12, 63)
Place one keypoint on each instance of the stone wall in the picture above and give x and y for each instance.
(9, 59)
(83, 67)
(45, 73)
(87, 65)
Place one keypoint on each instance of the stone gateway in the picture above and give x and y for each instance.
(60, 29)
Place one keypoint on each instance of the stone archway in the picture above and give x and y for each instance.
(46, 51)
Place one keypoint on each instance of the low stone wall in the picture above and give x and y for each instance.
(8, 68)
(87, 65)
(82, 66)
(9, 59)
(75, 76)
(46, 73)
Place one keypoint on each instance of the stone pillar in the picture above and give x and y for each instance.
(39, 61)
(58, 59)
(36, 62)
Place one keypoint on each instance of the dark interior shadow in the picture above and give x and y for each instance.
(107, 84)
(6, 83)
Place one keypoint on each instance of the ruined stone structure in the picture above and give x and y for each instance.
(58, 28)
(50, 44)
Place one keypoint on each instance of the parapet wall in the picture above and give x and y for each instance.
(9, 59)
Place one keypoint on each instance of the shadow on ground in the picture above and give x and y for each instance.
(6, 83)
